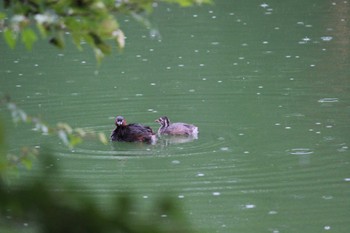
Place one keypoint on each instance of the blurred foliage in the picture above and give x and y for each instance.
(92, 21)
(44, 205)
(68, 135)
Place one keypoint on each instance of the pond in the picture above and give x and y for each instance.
(267, 83)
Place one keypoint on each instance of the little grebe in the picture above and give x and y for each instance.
(132, 132)
(177, 128)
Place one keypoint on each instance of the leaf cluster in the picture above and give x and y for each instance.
(90, 21)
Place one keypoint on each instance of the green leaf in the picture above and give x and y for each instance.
(28, 38)
(10, 38)
(27, 163)
(74, 140)
(43, 31)
(103, 138)
(2, 15)
(99, 55)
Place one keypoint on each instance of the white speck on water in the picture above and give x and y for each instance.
(301, 151)
(277, 124)
(232, 13)
(181, 65)
(241, 134)
(213, 17)
(272, 212)
(312, 65)
(163, 215)
(260, 87)
(249, 206)
(343, 149)
(25, 224)
(224, 149)
(181, 196)
(347, 179)
(215, 43)
(327, 197)
(306, 39)
(216, 193)
(168, 68)
(139, 95)
(264, 5)
(265, 42)
(145, 196)
(326, 38)
(175, 162)
(200, 174)
(83, 62)
(191, 90)
(328, 100)
(201, 65)
(195, 16)
(18, 85)
(220, 81)
(246, 152)
(153, 84)
(327, 228)
(287, 127)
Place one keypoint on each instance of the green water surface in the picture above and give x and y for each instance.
(267, 83)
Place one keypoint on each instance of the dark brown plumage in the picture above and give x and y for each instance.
(132, 132)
